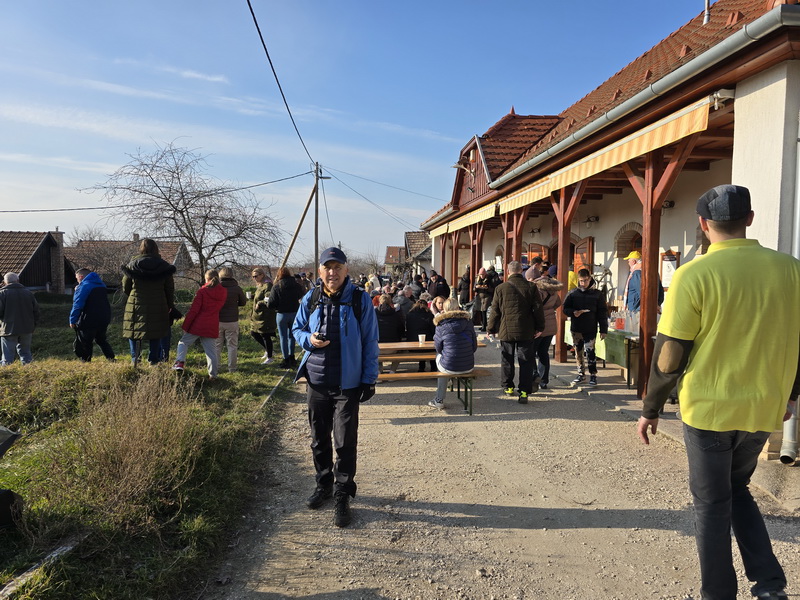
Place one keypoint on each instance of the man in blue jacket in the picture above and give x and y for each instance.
(90, 315)
(337, 328)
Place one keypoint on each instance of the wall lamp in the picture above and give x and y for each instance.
(592, 219)
(535, 230)
(668, 204)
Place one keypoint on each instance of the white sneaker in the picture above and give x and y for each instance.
(267, 360)
(265, 355)
(436, 403)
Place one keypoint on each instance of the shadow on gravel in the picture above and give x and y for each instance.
(360, 593)
(521, 517)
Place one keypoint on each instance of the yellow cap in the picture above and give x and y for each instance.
(635, 254)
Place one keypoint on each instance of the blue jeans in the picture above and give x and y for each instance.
(154, 354)
(11, 345)
(284, 322)
(720, 467)
(541, 347)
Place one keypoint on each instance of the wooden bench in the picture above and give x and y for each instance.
(465, 379)
(407, 357)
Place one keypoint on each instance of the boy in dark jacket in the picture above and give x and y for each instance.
(90, 315)
(586, 308)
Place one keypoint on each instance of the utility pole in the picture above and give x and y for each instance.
(316, 214)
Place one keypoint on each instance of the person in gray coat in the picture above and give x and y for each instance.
(19, 314)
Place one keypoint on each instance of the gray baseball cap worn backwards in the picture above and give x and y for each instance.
(332, 254)
(724, 203)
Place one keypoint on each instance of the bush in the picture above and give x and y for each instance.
(128, 455)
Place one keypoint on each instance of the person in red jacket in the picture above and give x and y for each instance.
(202, 322)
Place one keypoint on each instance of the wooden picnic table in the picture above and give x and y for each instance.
(412, 346)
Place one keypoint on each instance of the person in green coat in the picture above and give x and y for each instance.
(262, 317)
(148, 282)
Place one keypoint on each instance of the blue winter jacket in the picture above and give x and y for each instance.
(635, 292)
(455, 341)
(90, 307)
(359, 341)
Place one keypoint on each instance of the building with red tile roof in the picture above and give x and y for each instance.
(715, 102)
(38, 258)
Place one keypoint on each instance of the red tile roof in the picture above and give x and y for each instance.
(507, 140)
(86, 251)
(691, 40)
(417, 242)
(17, 248)
(395, 255)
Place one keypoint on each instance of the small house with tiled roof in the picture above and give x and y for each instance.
(38, 258)
(715, 102)
(395, 258)
(107, 256)
(418, 251)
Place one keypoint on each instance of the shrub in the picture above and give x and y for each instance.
(127, 456)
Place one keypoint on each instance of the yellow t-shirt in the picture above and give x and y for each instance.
(739, 303)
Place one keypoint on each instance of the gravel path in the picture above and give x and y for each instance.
(556, 499)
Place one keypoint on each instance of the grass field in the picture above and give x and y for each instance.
(143, 469)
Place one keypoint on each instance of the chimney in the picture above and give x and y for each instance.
(136, 238)
(57, 263)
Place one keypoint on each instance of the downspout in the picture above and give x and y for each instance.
(788, 452)
(780, 16)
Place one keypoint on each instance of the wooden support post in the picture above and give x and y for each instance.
(652, 188)
(565, 204)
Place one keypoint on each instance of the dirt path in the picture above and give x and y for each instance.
(556, 499)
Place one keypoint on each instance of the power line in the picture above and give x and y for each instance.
(378, 206)
(327, 214)
(247, 187)
(275, 74)
(385, 184)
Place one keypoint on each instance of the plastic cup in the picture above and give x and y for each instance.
(421, 338)
(249, 295)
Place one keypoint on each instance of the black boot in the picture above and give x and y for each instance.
(320, 495)
(342, 516)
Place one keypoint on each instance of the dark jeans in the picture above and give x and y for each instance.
(584, 345)
(84, 343)
(541, 347)
(265, 341)
(720, 467)
(154, 354)
(334, 411)
(527, 361)
(483, 320)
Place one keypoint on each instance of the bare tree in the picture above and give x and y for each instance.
(168, 194)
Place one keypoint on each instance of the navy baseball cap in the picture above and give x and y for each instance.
(332, 254)
(725, 203)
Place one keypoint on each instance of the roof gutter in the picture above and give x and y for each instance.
(431, 222)
(784, 15)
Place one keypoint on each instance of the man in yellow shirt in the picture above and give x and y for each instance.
(718, 338)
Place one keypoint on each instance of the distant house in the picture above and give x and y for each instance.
(106, 257)
(395, 259)
(418, 251)
(38, 258)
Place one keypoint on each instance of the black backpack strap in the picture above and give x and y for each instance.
(314, 301)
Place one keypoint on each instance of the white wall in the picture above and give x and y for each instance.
(765, 150)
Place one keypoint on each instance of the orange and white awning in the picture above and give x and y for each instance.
(685, 122)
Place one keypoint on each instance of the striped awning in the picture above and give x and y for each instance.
(476, 216)
(670, 129)
(440, 230)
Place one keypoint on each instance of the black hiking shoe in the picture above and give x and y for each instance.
(318, 498)
(342, 516)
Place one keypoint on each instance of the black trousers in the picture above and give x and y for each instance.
(526, 356)
(85, 339)
(334, 411)
(265, 341)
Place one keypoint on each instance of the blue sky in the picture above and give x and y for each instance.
(389, 92)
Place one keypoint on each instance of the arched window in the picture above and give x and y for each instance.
(628, 239)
